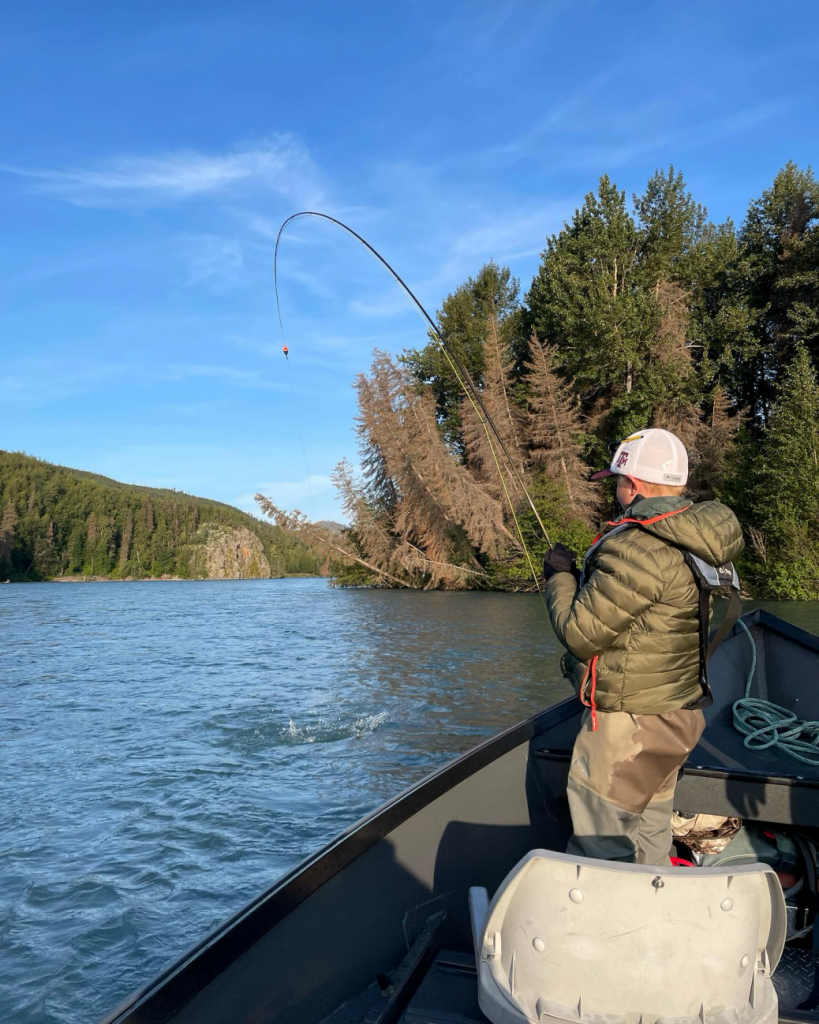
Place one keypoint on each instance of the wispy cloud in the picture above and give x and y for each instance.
(48, 380)
(257, 345)
(564, 115)
(313, 282)
(388, 303)
(48, 271)
(281, 164)
(476, 26)
(515, 233)
(671, 142)
(228, 374)
(214, 260)
(288, 494)
(507, 231)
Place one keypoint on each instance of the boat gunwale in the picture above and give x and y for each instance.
(191, 972)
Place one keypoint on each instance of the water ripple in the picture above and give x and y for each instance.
(169, 750)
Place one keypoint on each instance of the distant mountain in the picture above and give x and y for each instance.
(56, 521)
(328, 524)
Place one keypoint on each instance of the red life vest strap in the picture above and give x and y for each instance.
(654, 519)
(591, 669)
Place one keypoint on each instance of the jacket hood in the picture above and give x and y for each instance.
(708, 529)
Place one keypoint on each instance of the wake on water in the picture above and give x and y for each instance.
(332, 732)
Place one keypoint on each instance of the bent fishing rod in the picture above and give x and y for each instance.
(458, 368)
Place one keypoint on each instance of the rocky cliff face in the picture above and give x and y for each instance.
(222, 553)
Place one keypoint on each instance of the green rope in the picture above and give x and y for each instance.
(765, 724)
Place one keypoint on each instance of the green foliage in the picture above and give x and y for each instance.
(550, 500)
(722, 324)
(780, 250)
(352, 574)
(672, 227)
(56, 521)
(784, 464)
(656, 316)
(462, 321)
(589, 299)
(777, 488)
(653, 316)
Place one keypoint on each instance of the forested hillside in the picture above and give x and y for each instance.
(641, 314)
(56, 521)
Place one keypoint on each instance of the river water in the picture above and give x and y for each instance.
(170, 748)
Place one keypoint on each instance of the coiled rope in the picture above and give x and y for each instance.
(765, 724)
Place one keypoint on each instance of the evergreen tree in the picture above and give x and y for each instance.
(780, 247)
(589, 298)
(80, 523)
(722, 324)
(780, 486)
(714, 448)
(75, 551)
(149, 515)
(672, 225)
(127, 538)
(464, 320)
(790, 452)
(91, 541)
(7, 529)
(482, 450)
(556, 431)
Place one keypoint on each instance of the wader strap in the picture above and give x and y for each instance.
(706, 698)
(704, 615)
(732, 613)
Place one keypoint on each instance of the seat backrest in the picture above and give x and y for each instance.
(580, 939)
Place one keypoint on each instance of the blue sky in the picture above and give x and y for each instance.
(149, 152)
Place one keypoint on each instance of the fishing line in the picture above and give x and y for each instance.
(458, 369)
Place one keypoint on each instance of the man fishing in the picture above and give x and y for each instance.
(630, 623)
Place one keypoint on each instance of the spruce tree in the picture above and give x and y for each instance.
(780, 249)
(125, 543)
(463, 320)
(782, 482)
(790, 452)
(555, 432)
(722, 325)
(672, 226)
(589, 299)
(7, 529)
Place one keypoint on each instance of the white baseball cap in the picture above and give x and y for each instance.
(654, 455)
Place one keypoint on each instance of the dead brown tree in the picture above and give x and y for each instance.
(716, 441)
(483, 453)
(555, 426)
(408, 468)
(299, 525)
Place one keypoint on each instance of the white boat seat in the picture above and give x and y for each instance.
(600, 942)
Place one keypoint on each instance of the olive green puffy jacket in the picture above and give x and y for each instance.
(638, 609)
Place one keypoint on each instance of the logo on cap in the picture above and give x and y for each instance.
(622, 460)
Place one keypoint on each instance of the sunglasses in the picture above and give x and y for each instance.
(614, 445)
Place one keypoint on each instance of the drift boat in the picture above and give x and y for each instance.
(376, 927)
